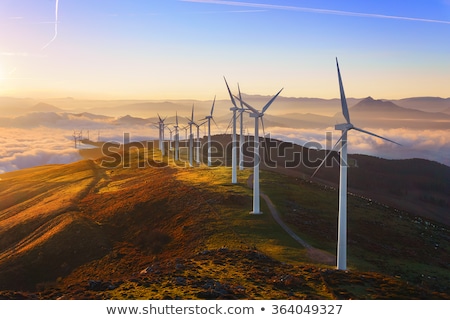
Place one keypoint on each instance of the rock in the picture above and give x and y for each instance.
(146, 271)
(180, 281)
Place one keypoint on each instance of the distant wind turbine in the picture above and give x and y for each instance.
(185, 128)
(75, 136)
(234, 109)
(161, 135)
(208, 119)
(342, 219)
(191, 139)
(241, 132)
(177, 138)
(197, 143)
(170, 139)
(258, 116)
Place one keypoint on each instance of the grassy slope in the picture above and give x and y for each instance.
(83, 231)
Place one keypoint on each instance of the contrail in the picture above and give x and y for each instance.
(314, 10)
(56, 25)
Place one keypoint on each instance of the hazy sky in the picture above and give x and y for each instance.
(157, 49)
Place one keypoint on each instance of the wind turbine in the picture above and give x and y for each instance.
(241, 132)
(197, 143)
(161, 135)
(75, 138)
(342, 219)
(185, 128)
(170, 139)
(177, 138)
(208, 119)
(191, 139)
(257, 115)
(233, 140)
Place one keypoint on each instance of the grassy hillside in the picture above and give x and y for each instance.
(85, 231)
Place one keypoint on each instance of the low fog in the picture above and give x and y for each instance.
(24, 144)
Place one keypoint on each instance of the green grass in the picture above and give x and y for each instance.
(238, 228)
(380, 238)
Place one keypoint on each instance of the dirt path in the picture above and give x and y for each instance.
(314, 254)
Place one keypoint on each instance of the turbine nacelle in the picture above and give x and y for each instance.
(256, 115)
(343, 126)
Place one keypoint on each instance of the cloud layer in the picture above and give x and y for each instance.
(23, 145)
(426, 144)
(24, 148)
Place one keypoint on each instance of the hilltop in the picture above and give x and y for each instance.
(146, 229)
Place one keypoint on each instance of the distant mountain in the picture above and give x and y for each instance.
(91, 116)
(143, 109)
(35, 119)
(15, 106)
(129, 120)
(386, 114)
(299, 120)
(53, 120)
(44, 107)
(428, 104)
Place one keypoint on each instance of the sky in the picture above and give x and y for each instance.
(170, 49)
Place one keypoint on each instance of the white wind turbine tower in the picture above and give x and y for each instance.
(257, 115)
(208, 119)
(170, 139)
(177, 138)
(197, 143)
(191, 139)
(161, 135)
(234, 109)
(241, 132)
(342, 219)
(185, 132)
(75, 136)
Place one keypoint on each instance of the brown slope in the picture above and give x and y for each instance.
(41, 230)
(116, 212)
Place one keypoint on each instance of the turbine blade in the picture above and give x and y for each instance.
(248, 106)
(229, 91)
(159, 117)
(326, 157)
(215, 122)
(240, 97)
(176, 117)
(229, 125)
(192, 116)
(343, 99)
(262, 125)
(375, 135)
(270, 102)
(212, 108)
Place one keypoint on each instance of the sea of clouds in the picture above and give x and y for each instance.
(24, 148)
(432, 145)
(53, 143)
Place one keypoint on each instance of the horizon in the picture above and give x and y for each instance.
(154, 50)
(99, 98)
